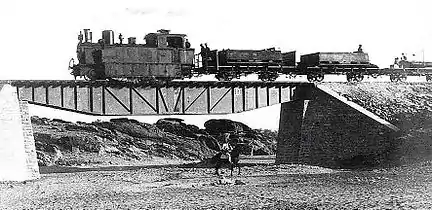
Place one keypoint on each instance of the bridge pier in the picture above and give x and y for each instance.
(330, 131)
(18, 161)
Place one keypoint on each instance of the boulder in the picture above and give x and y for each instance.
(210, 142)
(218, 126)
(177, 127)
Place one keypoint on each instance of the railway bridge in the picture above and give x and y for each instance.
(316, 126)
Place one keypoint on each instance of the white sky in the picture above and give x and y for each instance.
(39, 37)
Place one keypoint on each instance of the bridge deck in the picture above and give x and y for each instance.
(156, 98)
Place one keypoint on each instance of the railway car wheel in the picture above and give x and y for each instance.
(359, 77)
(375, 76)
(291, 75)
(319, 77)
(311, 78)
(350, 77)
(267, 77)
(394, 78)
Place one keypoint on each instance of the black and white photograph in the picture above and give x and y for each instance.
(228, 104)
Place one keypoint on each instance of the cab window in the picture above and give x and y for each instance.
(175, 42)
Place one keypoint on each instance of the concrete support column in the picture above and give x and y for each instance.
(290, 131)
(18, 161)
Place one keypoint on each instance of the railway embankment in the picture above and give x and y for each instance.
(408, 106)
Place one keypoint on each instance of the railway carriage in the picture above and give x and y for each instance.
(353, 64)
(229, 64)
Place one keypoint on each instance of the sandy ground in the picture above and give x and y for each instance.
(260, 186)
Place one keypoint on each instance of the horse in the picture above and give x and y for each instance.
(235, 157)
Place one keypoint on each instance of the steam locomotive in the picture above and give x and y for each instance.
(166, 56)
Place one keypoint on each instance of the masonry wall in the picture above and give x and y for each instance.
(18, 161)
(333, 133)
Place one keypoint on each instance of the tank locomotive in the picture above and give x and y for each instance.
(164, 56)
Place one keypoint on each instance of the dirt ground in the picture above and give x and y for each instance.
(262, 185)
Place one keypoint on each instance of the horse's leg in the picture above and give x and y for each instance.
(238, 165)
(232, 169)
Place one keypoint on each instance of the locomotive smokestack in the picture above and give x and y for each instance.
(108, 37)
(86, 35)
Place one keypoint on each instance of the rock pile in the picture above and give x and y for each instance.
(126, 141)
(260, 141)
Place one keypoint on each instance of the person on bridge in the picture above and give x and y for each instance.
(396, 63)
(203, 56)
(207, 49)
(360, 49)
(187, 44)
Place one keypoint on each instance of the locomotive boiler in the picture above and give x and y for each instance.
(164, 56)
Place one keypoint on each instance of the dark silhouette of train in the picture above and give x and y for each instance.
(166, 57)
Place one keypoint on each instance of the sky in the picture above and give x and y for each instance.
(39, 37)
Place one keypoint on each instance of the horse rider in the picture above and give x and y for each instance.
(226, 146)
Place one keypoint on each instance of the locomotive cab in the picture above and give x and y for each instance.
(164, 39)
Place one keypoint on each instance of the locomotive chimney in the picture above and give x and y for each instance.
(108, 37)
(132, 40)
(91, 36)
(86, 35)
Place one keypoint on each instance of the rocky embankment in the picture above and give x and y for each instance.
(406, 105)
(129, 142)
